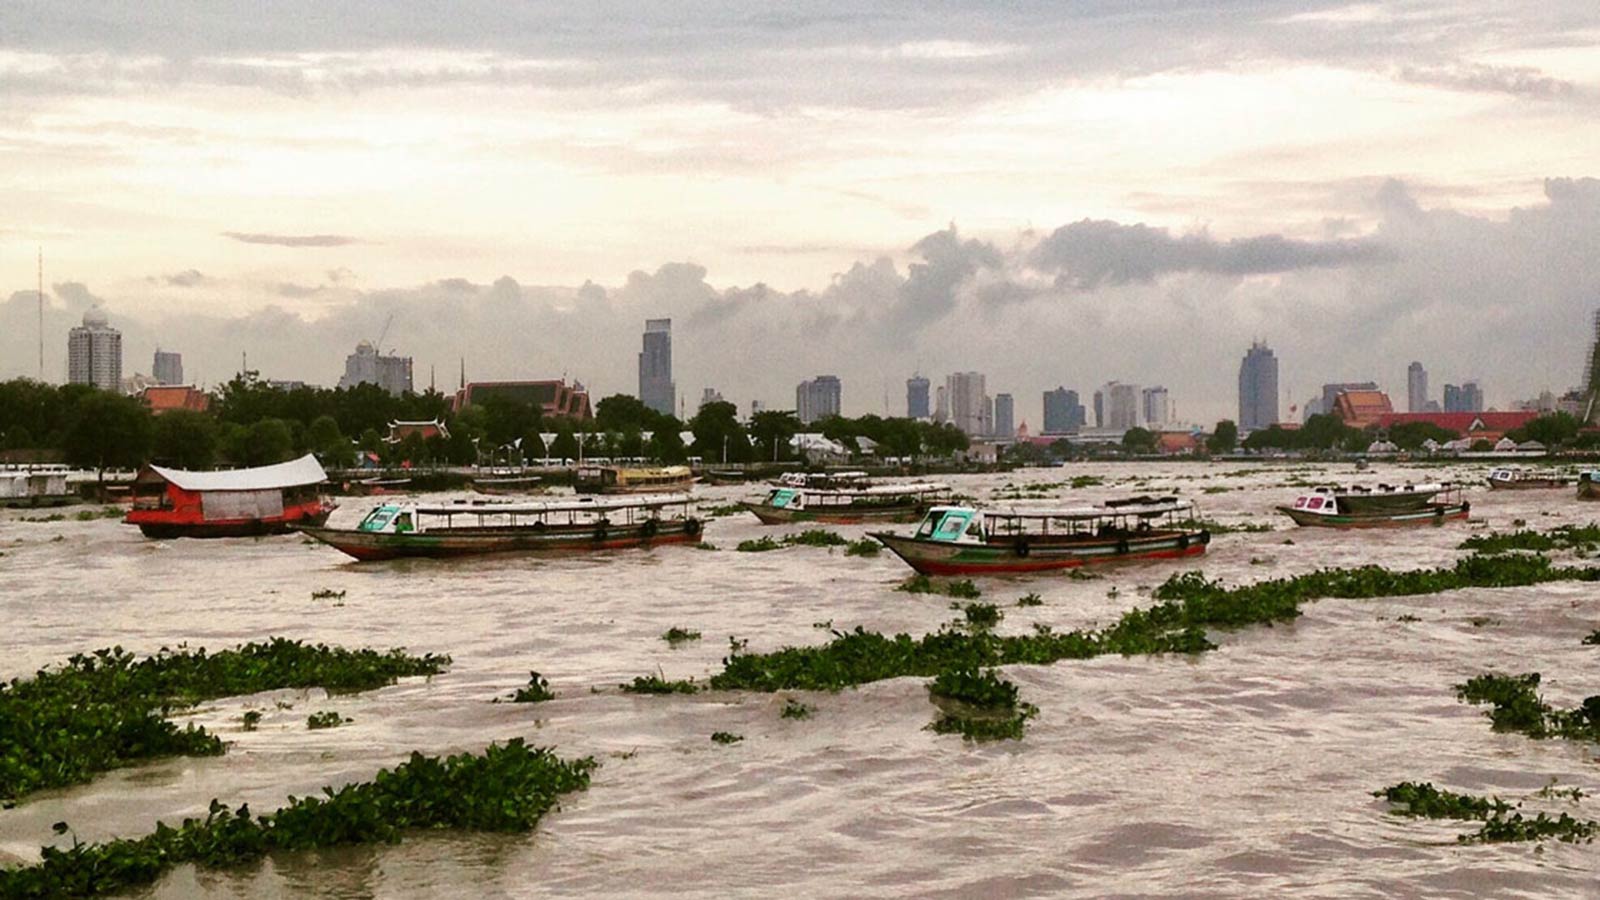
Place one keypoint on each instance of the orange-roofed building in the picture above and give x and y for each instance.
(1489, 426)
(1177, 443)
(168, 397)
(1360, 409)
(553, 398)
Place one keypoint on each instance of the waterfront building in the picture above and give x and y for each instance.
(1330, 393)
(369, 366)
(168, 367)
(1155, 407)
(1122, 406)
(1466, 398)
(917, 397)
(969, 403)
(817, 398)
(94, 352)
(1063, 413)
(1416, 388)
(1258, 388)
(1361, 408)
(1004, 416)
(552, 398)
(656, 389)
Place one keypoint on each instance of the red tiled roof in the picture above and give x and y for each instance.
(1464, 422)
(1362, 408)
(161, 398)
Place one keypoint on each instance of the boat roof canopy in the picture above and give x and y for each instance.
(295, 473)
(886, 490)
(583, 504)
(1152, 507)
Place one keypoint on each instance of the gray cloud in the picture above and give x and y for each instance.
(1522, 81)
(186, 278)
(1090, 253)
(292, 240)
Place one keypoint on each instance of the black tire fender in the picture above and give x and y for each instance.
(1022, 547)
(1183, 542)
(648, 529)
(691, 526)
(601, 529)
(1122, 546)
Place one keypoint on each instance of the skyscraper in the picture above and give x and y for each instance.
(94, 352)
(1416, 388)
(941, 404)
(1100, 408)
(1466, 398)
(656, 389)
(916, 397)
(368, 366)
(817, 399)
(1156, 407)
(1004, 416)
(1258, 388)
(168, 367)
(969, 403)
(1121, 405)
(1063, 413)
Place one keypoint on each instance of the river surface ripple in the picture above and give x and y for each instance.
(1243, 772)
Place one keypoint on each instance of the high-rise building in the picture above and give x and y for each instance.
(941, 405)
(94, 352)
(1155, 407)
(1005, 411)
(656, 389)
(168, 367)
(1063, 414)
(368, 366)
(1258, 388)
(1466, 398)
(1100, 409)
(917, 397)
(710, 395)
(969, 403)
(1121, 405)
(1416, 388)
(817, 399)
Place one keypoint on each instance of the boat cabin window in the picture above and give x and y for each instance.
(403, 523)
(1315, 503)
(952, 526)
(377, 519)
(1300, 503)
(785, 499)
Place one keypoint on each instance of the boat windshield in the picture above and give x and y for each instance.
(379, 518)
(783, 498)
(946, 525)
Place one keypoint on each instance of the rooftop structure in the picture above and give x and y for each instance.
(553, 398)
(1361, 408)
(167, 397)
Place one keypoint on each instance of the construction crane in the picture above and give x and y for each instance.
(378, 344)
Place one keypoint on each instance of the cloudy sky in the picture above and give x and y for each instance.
(1049, 192)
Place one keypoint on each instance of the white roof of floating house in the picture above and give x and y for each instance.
(295, 473)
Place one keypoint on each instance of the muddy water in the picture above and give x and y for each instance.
(1243, 772)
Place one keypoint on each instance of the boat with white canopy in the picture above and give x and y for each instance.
(170, 503)
(962, 540)
(461, 528)
(848, 506)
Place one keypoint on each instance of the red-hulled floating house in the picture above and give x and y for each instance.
(273, 499)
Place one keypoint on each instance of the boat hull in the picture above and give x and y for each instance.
(942, 558)
(1435, 514)
(444, 543)
(40, 501)
(890, 513)
(163, 525)
(676, 487)
(1528, 484)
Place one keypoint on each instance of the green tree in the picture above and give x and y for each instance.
(666, 442)
(1139, 440)
(264, 443)
(1552, 430)
(773, 429)
(108, 430)
(185, 439)
(718, 436)
(1412, 435)
(565, 446)
(621, 412)
(18, 437)
(329, 443)
(1224, 438)
(1327, 431)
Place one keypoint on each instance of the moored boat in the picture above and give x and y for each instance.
(1516, 479)
(1589, 485)
(35, 488)
(1382, 506)
(393, 530)
(372, 487)
(842, 480)
(848, 506)
(961, 540)
(594, 479)
(171, 503)
(503, 485)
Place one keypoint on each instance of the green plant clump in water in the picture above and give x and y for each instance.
(537, 690)
(1566, 537)
(108, 709)
(675, 636)
(726, 509)
(1030, 599)
(1500, 823)
(978, 705)
(816, 537)
(922, 584)
(724, 737)
(706, 545)
(794, 709)
(327, 594)
(1083, 481)
(655, 684)
(325, 719)
(758, 545)
(1515, 705)
(864, 547)
(1593, 639)
(980, 616)
(251, 719)
(1221, 528)
(1190, 605)
(506, 788)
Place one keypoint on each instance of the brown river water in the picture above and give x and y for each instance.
(1244, 772)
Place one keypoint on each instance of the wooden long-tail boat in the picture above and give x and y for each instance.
(877, 503)
(1380, 507)
(582, 525)
(594, 479)
(1509, 479)
(962, 540)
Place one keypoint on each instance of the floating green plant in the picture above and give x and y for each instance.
(108, 709)
(1083, 481)
(1222, 528)
(506, 788)
(325, 719)
(724, 737)
(922, 584)
(536, 691)
(816, 537)
(721, 510)
(706, 545)
(251, 719)
(327, 594)
(758, 545)
(1565, 537)
(1593, 639)
(978, 705)
(675, 636)
(1500, 823)
(1515, 705)
(980, 615)
(1030, 599)
(655, 684)
(794, 709)
(864, 547)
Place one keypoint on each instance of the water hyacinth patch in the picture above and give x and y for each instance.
(980, 616)
(1500, 823)
(675, 636)
(108, 708)
(1515, 705)
(655, 684)
(506, 788)
(794, 709)
(536, 691)
(979, 706)
(325, 719)
(1030, 599)
(1593, 639)
(864, 547)
(922, 584)
(724, 737)
(816, 537)
(1566, 537)
(758, 545)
